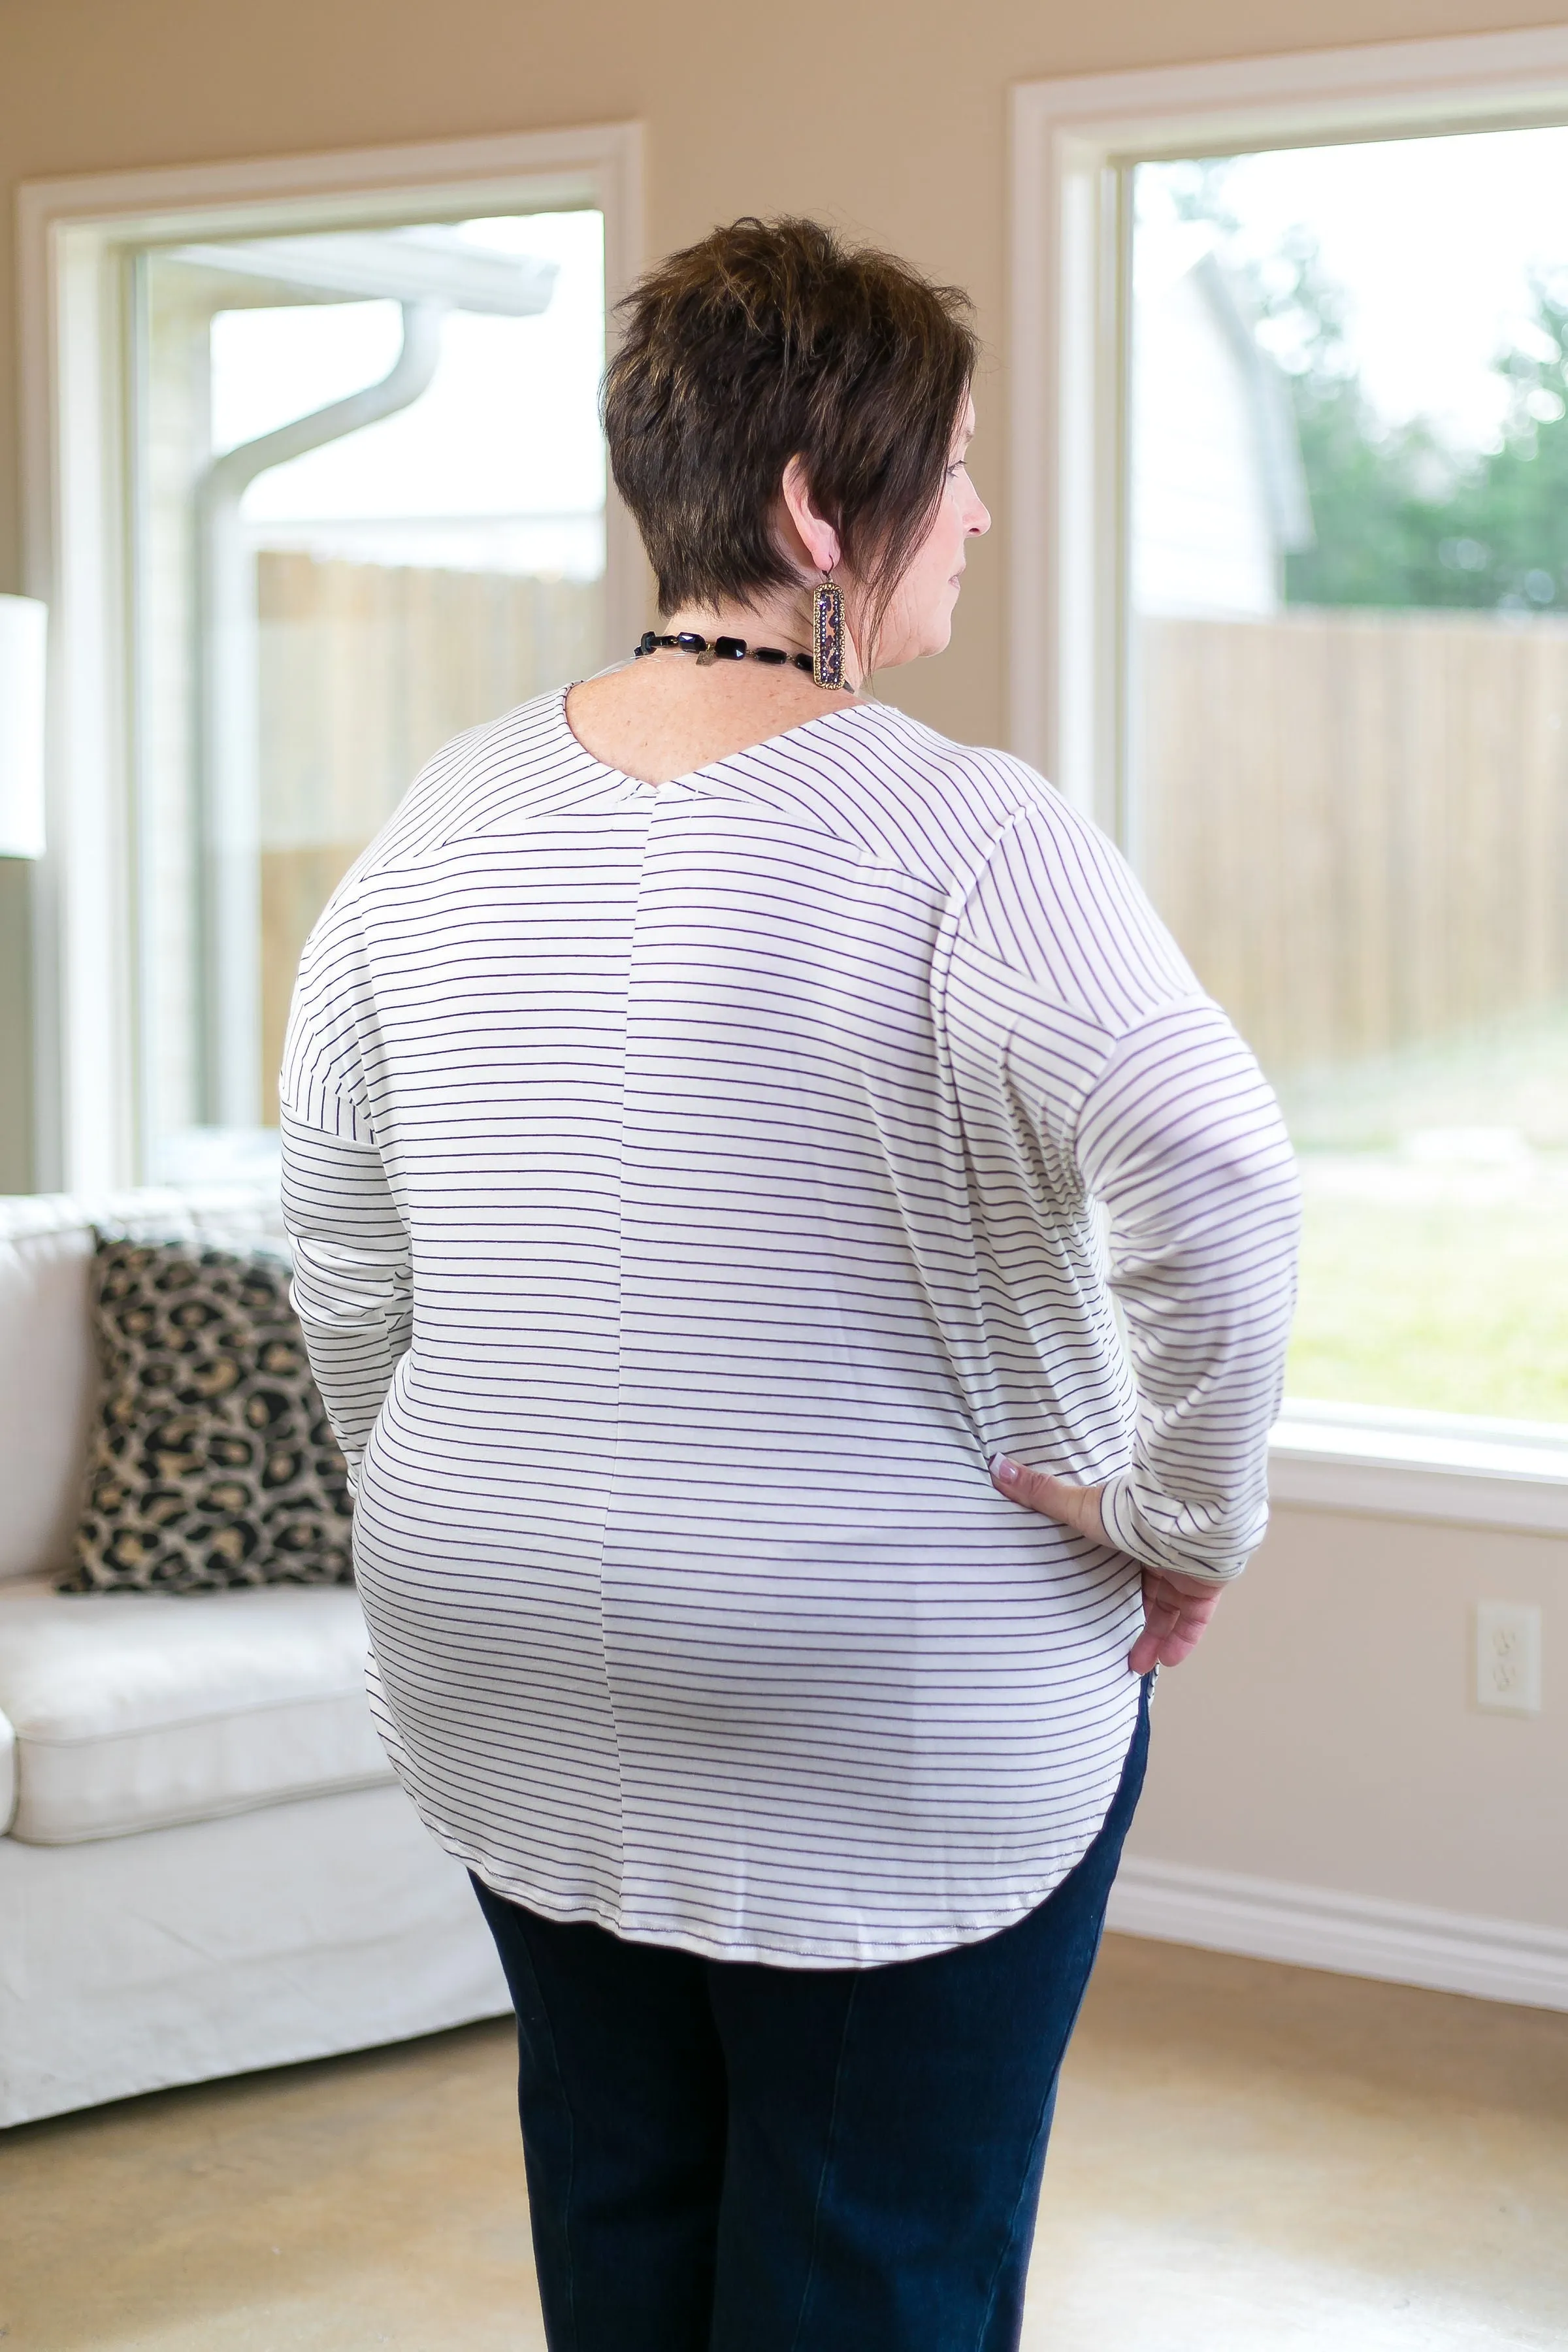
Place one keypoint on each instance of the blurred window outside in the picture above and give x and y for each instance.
(369, 488)
(1347, 676)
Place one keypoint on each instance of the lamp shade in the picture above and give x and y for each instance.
(23, 630)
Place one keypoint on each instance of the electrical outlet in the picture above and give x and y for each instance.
(1508, 1657)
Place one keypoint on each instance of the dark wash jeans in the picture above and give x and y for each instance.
(728, 2157)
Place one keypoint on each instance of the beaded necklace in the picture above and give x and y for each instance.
(686, 641)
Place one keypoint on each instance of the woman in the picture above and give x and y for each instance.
(696, 1107)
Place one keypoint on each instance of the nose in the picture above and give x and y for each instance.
(978, 519)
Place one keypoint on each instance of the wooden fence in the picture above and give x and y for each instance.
(365, 670)
(1357, 823)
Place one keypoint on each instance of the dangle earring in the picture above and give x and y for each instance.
(827, 633)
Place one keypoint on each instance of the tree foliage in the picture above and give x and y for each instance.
(1401, 517)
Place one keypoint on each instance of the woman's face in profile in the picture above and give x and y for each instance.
(919, 618)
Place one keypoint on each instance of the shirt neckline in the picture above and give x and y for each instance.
(711, 767)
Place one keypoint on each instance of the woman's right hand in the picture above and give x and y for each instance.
(1176, 1608)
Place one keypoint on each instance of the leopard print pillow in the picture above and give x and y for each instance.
(212, 1462)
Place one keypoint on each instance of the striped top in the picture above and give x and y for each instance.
(692, 1186)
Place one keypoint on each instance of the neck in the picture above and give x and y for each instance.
(781, 618)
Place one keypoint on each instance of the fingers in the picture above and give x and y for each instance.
(1176, 1613)
(1176, 1608)
(1055, 1499)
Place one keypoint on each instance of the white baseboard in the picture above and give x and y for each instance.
(1355, 1934)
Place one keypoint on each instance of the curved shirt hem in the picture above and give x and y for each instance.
(862, 1952)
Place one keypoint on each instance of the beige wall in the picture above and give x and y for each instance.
(15, 1034)
(1324, 1735)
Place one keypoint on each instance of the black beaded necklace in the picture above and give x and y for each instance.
(686, 641)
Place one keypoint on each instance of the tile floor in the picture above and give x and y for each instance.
(1248, 2158)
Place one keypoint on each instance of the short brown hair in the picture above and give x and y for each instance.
(770, 340)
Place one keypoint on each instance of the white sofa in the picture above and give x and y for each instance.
(205, 1865)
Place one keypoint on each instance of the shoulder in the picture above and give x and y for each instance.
(931, 804)
(1038, 889)
(957, 809)
(501, 766)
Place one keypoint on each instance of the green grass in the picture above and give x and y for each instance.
(1428, 1279)
(1511, 1072)
(1448, 1306)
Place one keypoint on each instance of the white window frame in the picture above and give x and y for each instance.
(74, 235)
(1070, 250)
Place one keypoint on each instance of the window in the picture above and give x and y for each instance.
(370, 488)
(1292, 420)
(315, 482)
(1348, 680)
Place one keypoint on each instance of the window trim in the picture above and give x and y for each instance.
(1072, 142)
(73, 235)
(1453, 1468)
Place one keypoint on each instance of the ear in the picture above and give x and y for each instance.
(816, 534)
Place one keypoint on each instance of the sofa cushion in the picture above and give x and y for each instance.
(135, 1710)
(212, 1461)
(48, 1377)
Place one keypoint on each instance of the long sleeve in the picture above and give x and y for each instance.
(1180, 1138)
(741, 1143)
(352, 1289)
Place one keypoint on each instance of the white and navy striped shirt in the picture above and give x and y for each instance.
(692, 1187)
